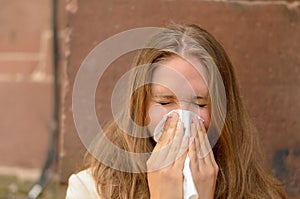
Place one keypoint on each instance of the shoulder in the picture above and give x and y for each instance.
(82, 185)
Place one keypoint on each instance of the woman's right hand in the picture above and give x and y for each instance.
(165, 165)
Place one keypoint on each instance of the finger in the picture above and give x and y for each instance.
(176, 143)
(193, 132)
(193, 129)
(184, 146)
(205, 150)
(158, 158)
(167, 123)
(184, 143)
(169, 130)
(199, 141)
(210, 151)
(210, 158)
(181, 157)
(160, 151)
(192, 149)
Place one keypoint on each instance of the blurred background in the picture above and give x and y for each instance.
(43, 42)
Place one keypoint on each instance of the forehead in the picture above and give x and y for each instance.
(179, 76)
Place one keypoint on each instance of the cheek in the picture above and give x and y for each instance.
(156, 113)
(205, 115)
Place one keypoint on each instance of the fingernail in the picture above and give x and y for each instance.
(193, 130)
(200, 119)
(174, 115)
(168, 116)
(186, 139)
(179, 125)
(191, 139)
(167, 121)
(194, 120)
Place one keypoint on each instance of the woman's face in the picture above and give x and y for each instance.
(177, 84)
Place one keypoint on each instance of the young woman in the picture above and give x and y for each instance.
(178, 71)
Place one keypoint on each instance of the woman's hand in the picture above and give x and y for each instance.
(203, 165)
(165, 165)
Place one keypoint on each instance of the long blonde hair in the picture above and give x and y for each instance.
(237, 151)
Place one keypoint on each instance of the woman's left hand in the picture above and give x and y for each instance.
(203, 165)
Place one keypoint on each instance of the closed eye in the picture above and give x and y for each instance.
(165, 99)
(164, 103)
(201, 105)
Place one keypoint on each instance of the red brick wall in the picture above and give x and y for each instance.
(25, 82)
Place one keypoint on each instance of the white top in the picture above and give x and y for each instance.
(82, 185)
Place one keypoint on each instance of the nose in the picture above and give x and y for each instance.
(189, 106)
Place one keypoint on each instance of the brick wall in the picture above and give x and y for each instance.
(25, 82)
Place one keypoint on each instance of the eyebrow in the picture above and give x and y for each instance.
(165, 96)
(200, 97)
(174, 97)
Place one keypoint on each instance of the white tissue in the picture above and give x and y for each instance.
(185, 116)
